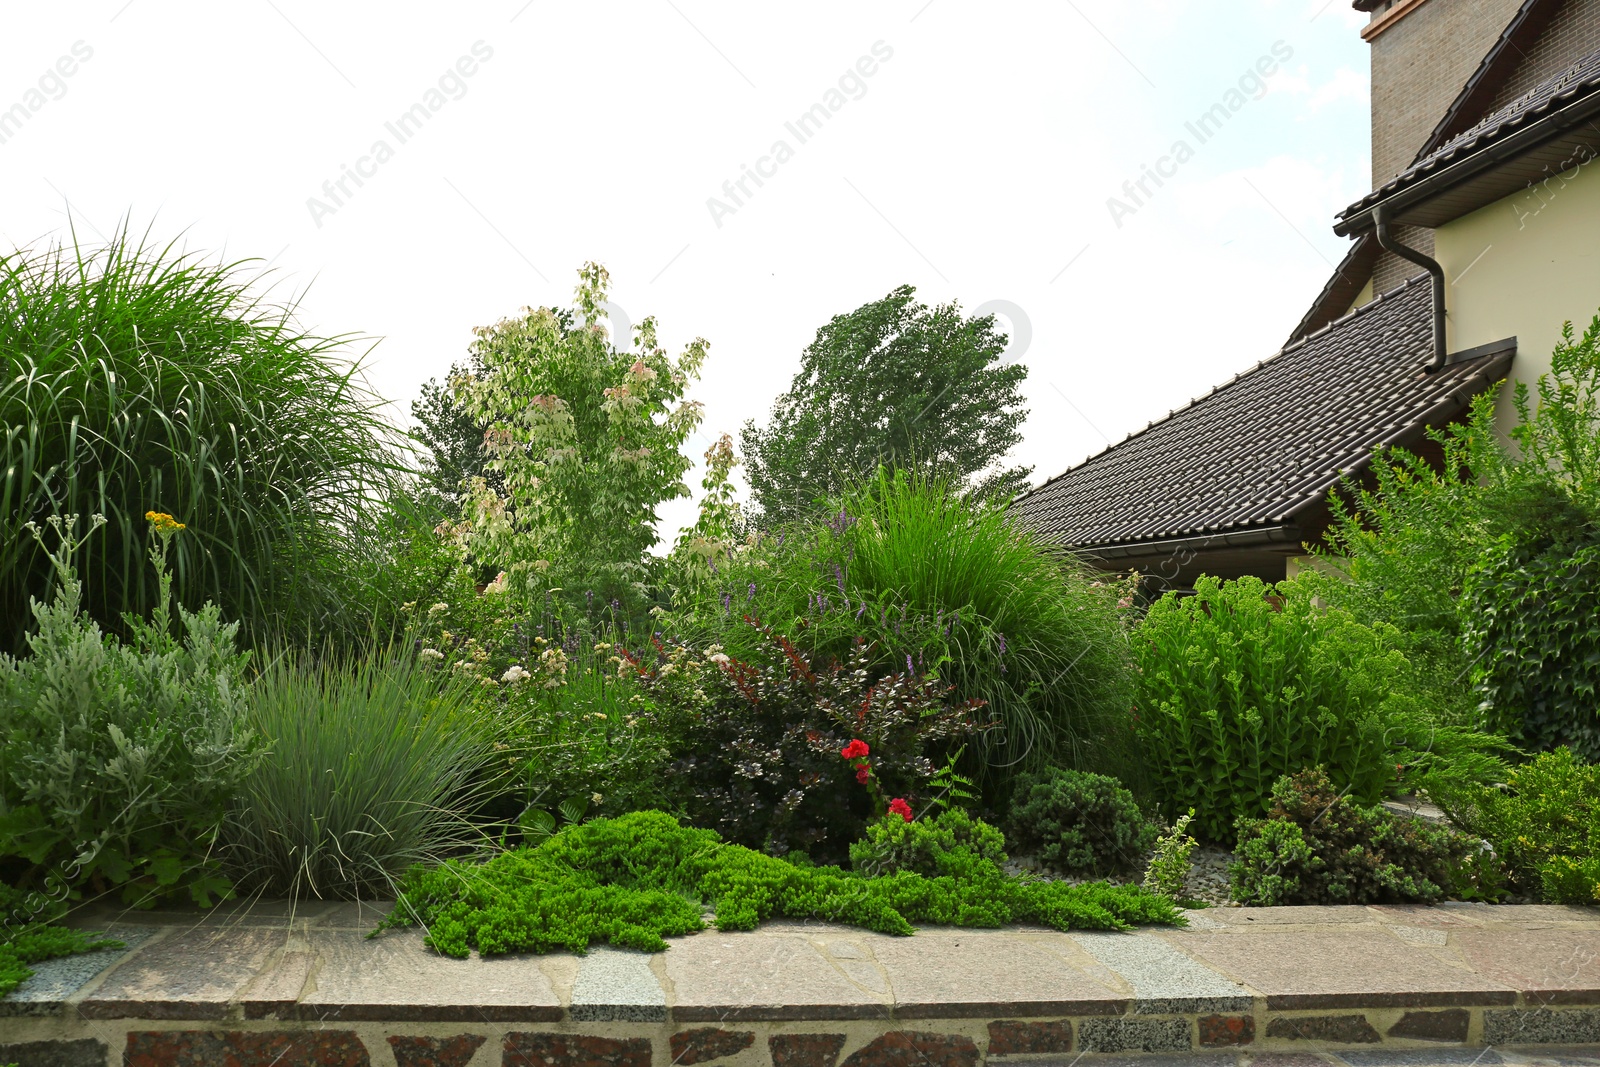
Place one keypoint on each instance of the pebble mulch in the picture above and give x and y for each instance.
(1208, 874)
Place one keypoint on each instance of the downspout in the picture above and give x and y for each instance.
(1380, 225)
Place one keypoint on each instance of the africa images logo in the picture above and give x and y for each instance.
(451, 85)
(802, 129)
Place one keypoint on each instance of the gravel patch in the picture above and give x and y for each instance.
(1208, 874)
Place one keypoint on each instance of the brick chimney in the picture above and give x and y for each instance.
(1423, 52)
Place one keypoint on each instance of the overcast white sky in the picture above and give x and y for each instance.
(975, 162)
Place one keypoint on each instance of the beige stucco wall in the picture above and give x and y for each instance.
(1521, 267)
(1296, 565)
(1364, 297)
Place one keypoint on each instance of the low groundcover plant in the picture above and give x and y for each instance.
(636, 879)
(26, 938)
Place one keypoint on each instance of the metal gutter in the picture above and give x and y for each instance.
(1274, 535)
(1380, 225)
(1546, 129)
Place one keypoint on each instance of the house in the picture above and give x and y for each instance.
(1480, 237)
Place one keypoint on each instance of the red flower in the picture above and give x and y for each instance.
(863, 772)
(899, 807)
(854, 750)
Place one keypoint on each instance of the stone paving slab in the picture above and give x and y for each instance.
(193, 973)
(1337, 965)
(942, 974)
(1165, 980)
(1307, 915)
(768, 974)
(616, 984)
(54, 981)
(1550, 965)
(395, 977)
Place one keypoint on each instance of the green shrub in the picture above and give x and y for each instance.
(1532, 627)
(1077, 822)
(1168, 870)
(119, 760)
(370, 769)
(596, 734)
(634, 880)
(948, 843)
(1545, 826)
(1244, 682)
(1400, 548)
(1317, 846)
(141, 378)
(1489, 521)
(921, 572)
(761, 740)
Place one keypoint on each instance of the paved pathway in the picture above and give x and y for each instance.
(1451, 984)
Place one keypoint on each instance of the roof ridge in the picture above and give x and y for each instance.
(1548, 96)
(1549, 83)
(1256, 452)
(1532, 18)
(1369, 306)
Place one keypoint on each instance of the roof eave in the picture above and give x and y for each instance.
(1286, 531)
(1286, 534)
(1357, 219)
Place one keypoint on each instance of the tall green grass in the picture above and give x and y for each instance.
(139, 378)
(372, 765)
(951, 584)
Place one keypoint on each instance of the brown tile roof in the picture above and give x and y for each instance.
(1551, 95)
(1262, 448)
(1349, 278)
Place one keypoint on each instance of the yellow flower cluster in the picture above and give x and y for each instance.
(163, 523)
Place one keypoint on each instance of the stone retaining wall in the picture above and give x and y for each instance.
(1254, 1035)
(1296, 987)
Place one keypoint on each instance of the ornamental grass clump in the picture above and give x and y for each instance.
(637, 879)
(372, 766)
(946, 584)
(141, 377)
